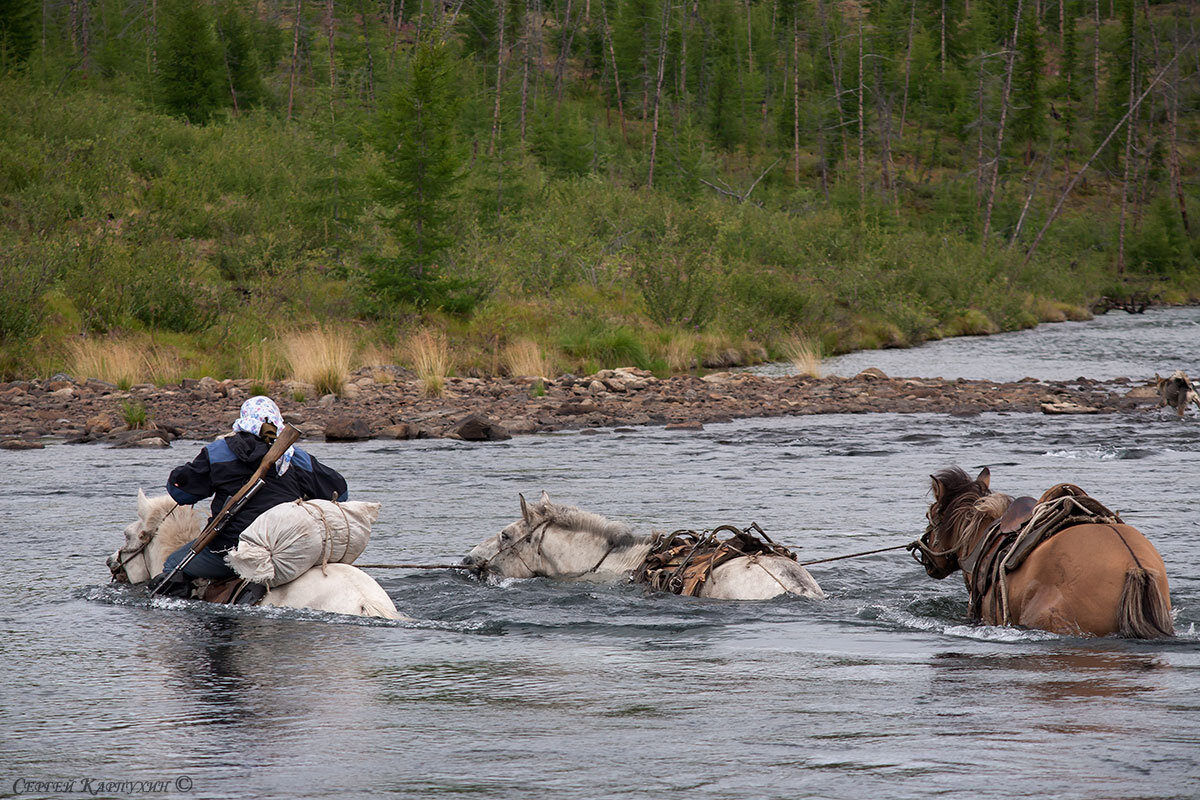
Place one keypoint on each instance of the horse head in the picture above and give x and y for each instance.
(553, 541)
(510, 553)
(956, 514)
(160, 528)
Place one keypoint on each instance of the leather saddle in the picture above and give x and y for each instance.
(231, 591)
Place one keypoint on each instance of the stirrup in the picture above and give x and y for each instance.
(248, 594)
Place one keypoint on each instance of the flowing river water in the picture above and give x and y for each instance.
(528, 689)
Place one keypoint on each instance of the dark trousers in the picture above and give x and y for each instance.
(207, 563)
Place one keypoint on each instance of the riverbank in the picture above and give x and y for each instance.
(390, 403)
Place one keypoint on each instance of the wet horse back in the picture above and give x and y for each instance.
(760, 578)
(1073, 582)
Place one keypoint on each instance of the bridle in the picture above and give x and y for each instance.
(482, 568)
(542, 526)
(924, 554)
(119, 575)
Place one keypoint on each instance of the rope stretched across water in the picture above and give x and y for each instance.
(464, 566)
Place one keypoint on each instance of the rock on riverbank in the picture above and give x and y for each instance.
(395, 406)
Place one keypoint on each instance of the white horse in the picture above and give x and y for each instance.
(558, 541)
(163, 527)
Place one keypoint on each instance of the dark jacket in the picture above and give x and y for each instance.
(224, 467)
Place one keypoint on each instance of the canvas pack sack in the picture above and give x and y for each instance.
(291, 538)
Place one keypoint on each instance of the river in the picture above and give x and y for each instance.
(528, 689)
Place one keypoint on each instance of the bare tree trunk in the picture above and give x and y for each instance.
(1032, 191)
(1173, 135)
(884, 108)
(796, 97)
(83, 22)
(1096, 66)
(662, 61)
(1130, 132)
(526, 34)
(836, 72)
(153, 36)
(749, 40)
(1062, 25)
(616, 77)
(943, 35)
(366, 32)
(1008, 76)
(500, 6)
(228, 71)
(564, 49)
(330, 31)
(912, 19)
(295, 56)
(862, 161)
(979, 162)
(1062, 199)
(397, 22)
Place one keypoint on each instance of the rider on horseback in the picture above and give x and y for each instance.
(221, 469)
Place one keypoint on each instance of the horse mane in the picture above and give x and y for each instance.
(966, 506)
(175, 526)
(618, 534)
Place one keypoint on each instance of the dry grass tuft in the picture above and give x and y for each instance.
(117, 362)
(524, 359)
(262, 364)
(805, 355)
(163, 365)
(320, 357)
(680, 353)
(430, 355)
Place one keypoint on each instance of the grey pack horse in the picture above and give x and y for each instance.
(162, 527)
(564, 542)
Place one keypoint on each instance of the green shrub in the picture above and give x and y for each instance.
(134, 414)
(607, 345)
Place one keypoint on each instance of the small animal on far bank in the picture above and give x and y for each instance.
(1176, 392)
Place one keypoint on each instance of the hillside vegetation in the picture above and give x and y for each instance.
(588, 182)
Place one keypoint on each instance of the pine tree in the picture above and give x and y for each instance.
(190, 70)
(244, 82)
(17, 32)
(421, 171)
(1029, 100)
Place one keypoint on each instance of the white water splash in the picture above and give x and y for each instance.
(983, 633)
(1098, 453)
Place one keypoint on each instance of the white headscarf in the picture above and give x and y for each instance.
(255, 412)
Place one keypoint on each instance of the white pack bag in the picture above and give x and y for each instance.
(291, 538)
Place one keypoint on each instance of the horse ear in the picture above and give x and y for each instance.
(545, 501)
(985, 478)
(143, 504)
(524, 508)
(936, 484)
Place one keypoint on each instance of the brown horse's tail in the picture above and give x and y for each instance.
(1143, 612)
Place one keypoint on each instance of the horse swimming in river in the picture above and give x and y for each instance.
(564, 542)
(162, 527)
(1063, 563)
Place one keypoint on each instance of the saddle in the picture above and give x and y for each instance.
(681, 562)
(1024, 526)
(231, 591)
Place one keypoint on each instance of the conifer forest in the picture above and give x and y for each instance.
(660, 183)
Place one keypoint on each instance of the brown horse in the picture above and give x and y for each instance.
(1092, 578)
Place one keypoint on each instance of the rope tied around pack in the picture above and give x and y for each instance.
(682, 561)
